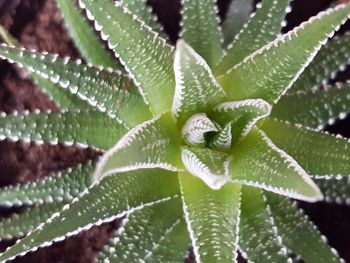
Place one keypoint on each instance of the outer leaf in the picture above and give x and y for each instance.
(298, 233)
(316, 108)
(61, 187)
(200, 28)
(237, 15)
(146, 56)
(259, 238)
(106, 91)
(317, 153)
(258, 162)
(69, 128)
(334, 188)
(18, 225)
(63, 98)
(114, 196)
(196, 88)
(242, 115)
(262, 28)
(152, 144)
(269, 72)
(212, 219)
(208, 165)
(332, 58)
(147, 231)
(85, 39)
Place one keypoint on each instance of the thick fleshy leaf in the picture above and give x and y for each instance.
(263, 27)
(149, 231)
(258, 162)
(58, 188)
(331, 59)
(146, 56)
(318, 153)
(212, 219)
(269, 72)
(316, 108)
(208, 165)
(334, 188)
(242, 115)
(196, 128)
(259, 238)
(152, 144)
(196, 88)
(18, 225)
(114, 196)
(85, 39)
(105, 91)
(69, 128)
(298, 233)
(237, 16)
(223, 139)
(201, 30)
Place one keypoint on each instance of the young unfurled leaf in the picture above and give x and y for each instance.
(269, 72)
(148, 231)
(201, 28)
(308, 148)
(212, 219)
(18, 225)
(298, 233)
(259, 238)
(58, 188)
(258, 162)
(105, 91)
(223, 139)
(152, 144)
(237, 16)
(208, 165)
(334, 188)
(196, 88)
(68, 128)
(84, 37)
(114, 196)
(242, 115)
(146, 56)
(330, 60)
(315, 108)
(263, 27)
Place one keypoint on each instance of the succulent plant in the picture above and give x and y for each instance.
(204, 144)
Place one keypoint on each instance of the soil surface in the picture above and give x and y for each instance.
(37, 24)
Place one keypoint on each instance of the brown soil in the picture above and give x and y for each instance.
(37, 25)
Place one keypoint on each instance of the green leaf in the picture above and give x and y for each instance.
(334, 188)
(237, 16)
(201, 30)
(298, 233)
(84, 37)
(242, 115)
(315, 108)
(318, 153)
(330, 60)
(105, 91)
(269, 72)
(259, 238)
(223, 139)
(196, 88)
(146, 56)
(69, 128)
(113, 197)
(18, 225)
(212, 219)
(62, 187)
(258, 162)
(208, 165)
(152, 144)
(148, 231)
(263, 27)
